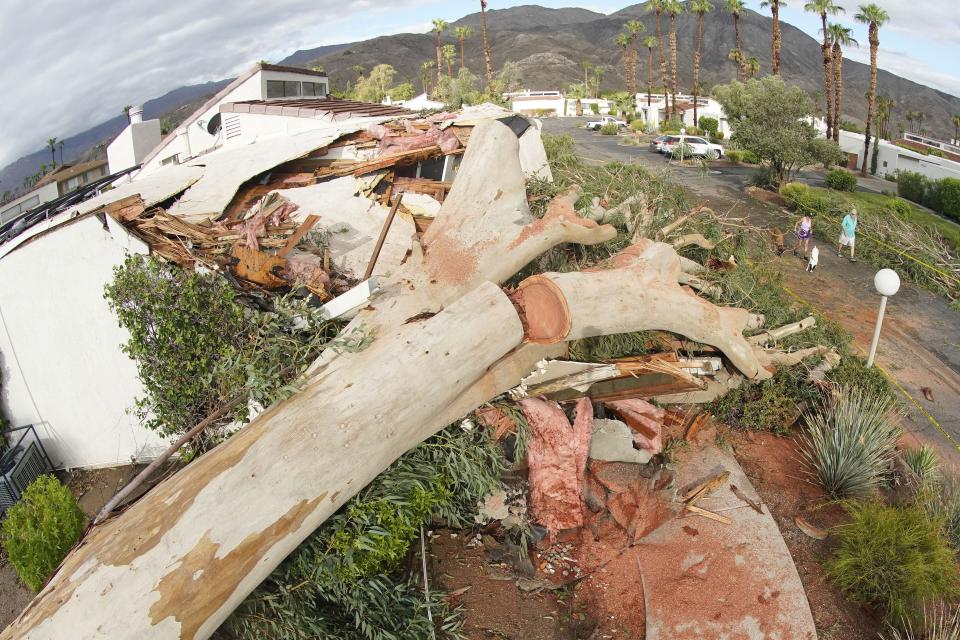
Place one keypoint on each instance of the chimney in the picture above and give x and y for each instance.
(136, 114)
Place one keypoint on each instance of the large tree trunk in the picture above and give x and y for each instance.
(446, 339)
(673, 62)
(741, 61)
(439, 62)
(837, 61)
(827, 81)
(649, 75)
(626, 67)
(635, 76)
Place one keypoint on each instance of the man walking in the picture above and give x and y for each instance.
(848, 232)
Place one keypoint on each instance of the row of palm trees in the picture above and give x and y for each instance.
(462, 33)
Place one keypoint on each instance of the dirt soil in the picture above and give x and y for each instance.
(772, 464)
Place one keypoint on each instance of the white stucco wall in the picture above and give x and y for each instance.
(133, 144)
(529, 105)
(60, 358)
(900, 159)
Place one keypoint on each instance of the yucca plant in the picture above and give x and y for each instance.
(941, 499)
(849, 444)
(924, 463)
(894, 558)
(939, 623)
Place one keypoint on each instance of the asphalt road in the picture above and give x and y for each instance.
(920, 344)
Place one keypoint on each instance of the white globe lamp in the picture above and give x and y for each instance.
(887, 283)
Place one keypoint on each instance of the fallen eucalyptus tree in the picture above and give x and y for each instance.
(446, 338)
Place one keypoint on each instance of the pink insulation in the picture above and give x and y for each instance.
(557, 458)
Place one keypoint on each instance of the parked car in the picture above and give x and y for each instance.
(594, 125)
(699, 147)
(657, 143)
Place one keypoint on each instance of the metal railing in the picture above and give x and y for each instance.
(21, 463)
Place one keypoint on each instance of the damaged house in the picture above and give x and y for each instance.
(242, 200)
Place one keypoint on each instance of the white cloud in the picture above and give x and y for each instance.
(72, 64)
(907, 66)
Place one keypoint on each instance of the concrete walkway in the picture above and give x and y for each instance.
(706, 579)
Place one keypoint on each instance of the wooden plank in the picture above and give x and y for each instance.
(298, 235)
(257, 266)
(695, 426)
(756, 506)
(706, 487)
(709, 514)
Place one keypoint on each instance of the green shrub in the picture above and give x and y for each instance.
(850, 442)
(894, 558)
(710, 125)
(796, 194)
(912, 186)
(943, 197)
(673, 125)
(683, 150)
(609, 129)
(768, 406)
(595, 108)
(853, 127)
(749, 157)
(841, 180)
(853, 373)
(638, 126)
(941, 499)
(764, 177)
(899, 206)
(40, 530)
(735, 156)
(718, 138)
(939, 623)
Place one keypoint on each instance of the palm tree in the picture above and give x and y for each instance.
(597, 75)
(634, 28)
(486, 44)
(623, 40)
(673, 8)
(463, 33)
(736, 56)
(920, 115)
(775, 11)
(425, 68)
(60, 144)
(701, 8)
(825, 8)
(449, 56)
(438, 27)
(649, 42)
(874, 17)
(52, 145)
(752, 66)
(956, 128)
(735, 8)
(657, 7)
(910, 117)
(840, 37)
(586, 70)
(884, 111)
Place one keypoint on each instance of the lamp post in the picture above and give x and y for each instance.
(887, 283)
(683, 133)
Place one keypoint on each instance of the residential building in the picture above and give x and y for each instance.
(416, 103)
(134, 143)
(913, 153)
(203, 129)
(59, 182)
(537, 103)
(655, 113)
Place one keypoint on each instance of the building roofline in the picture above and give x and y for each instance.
(209, 104)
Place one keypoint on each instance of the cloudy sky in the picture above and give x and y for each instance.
(70, 64)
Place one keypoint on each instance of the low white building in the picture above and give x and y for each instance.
(655, 113)
(203, 129)
(134, 143)
(61, 181)
(537, 103)
(892, 158)
(33, 198)
(417, 103)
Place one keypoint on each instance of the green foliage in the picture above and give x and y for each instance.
(345, 581)
(923, 462)
(609, 129)
(912, 186)
(768, 406)
(375, 86)
(852, 127)
(710, 125)
(595, 108)
(895, 558)
(40, 529)
(735, 156)
(196, 347)
(771, 119)
(944, 197)
(941, 499)
(749, 157)
(403, 91)
(638, 126)
(765, 178)
(853, 373)
(169, 313)
(617, 345)
(939, 623)
(841, 180)
(850, 442)
(673, 125)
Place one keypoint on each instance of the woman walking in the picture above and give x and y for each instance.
(804, 231)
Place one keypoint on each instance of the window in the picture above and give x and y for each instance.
(316, 89)
(286, 88)
(274, 89)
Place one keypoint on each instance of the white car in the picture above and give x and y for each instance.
(698, 147)
(594, 125)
